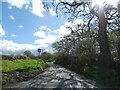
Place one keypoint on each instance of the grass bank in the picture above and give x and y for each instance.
(21, 70)
(108, 78)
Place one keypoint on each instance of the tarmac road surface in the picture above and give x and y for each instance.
(58, 77)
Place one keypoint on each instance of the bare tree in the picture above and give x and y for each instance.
(94, 17)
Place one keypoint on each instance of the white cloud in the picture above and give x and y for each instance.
(46, 41)
(41, 42)
(49, 38)
(2, 32)
(78, 21)
(20, 26)
(37, 8)
(112, 2)
(46, 36)
(12, 18)
(52, 12)
(63, 30)
(34, 6)
(9, 7)
(17, 3)
(10, 47)
(45, 28)
(13, 35)
(40, 34)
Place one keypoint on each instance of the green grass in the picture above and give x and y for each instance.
(110, 78)
(23, 65)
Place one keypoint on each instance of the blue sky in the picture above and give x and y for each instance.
(27, 25)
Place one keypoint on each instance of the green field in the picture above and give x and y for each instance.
(22, 67)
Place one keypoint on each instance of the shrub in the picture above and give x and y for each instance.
(20, 57)
(34, 57)
(47, 56)
(6, 57)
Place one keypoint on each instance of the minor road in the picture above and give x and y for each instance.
(58, 77)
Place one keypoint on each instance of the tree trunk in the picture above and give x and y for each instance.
(118, 44)
(105, 54)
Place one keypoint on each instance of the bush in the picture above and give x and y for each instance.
(107, 77)
(6, 57)
(20, 57)
(89, 68)
(47, 56)
(34, 57)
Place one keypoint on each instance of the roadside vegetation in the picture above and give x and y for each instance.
(83, 57)
(92, 48)
(19, 70)
(91, 70)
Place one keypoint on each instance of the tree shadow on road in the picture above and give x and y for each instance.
(56, 77)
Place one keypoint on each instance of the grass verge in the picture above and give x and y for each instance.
(108, 78)
(21, 70)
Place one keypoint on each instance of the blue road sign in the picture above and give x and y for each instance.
(39, 50)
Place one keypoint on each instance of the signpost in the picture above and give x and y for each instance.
(39, 51)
